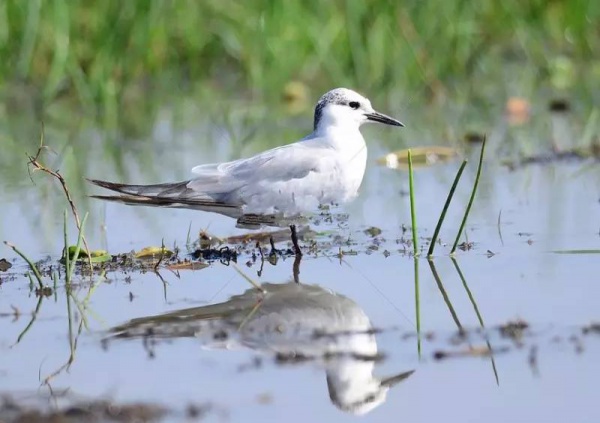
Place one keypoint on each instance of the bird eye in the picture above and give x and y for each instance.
(354, 104)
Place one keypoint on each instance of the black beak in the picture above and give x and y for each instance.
(394, 380)
(381, 118)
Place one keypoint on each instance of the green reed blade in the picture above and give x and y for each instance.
(77, 250)
(413, 216)
(445, 209)
(468, 209)
(32, 266)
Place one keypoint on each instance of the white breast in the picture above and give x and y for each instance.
(352, 151)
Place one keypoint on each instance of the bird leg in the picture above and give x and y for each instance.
(297, 250)
(296, 268)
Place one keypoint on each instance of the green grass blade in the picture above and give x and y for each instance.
(32, 266)
(77, 249)
(413, 216)
(445, 209)
(31, 28)
(468, 209)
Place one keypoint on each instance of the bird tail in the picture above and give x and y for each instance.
(175, 195)
(169, 190)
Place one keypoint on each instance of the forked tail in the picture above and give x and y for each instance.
(176, 195)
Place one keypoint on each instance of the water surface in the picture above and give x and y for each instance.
(319, 350)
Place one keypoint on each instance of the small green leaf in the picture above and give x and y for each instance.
(97, 256)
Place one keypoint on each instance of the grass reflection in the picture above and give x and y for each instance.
(454, 315)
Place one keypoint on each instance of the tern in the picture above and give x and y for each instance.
(324, 167)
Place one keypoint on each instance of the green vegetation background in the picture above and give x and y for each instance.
(93, 50)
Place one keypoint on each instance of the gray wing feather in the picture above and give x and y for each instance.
(279, 165)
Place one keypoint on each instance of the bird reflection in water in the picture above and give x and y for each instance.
(290, 321)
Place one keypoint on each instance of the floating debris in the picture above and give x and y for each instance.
(533, 360)
(577, 343)
(46, 291)
(224, 254)
(282, 235)
(514, 330)
(4, 265)
(153, 253)
(592, 328)
(206, 240)
(264, 398)
(483, 351)
(466, 246)
(421, 157)
(576, 154)
(188, 265)
(372, 231)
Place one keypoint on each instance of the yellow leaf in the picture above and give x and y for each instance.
(153, 252)
(421, 157)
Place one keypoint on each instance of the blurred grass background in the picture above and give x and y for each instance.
(104, 70)
(93, 51)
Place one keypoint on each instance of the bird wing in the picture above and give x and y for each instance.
(277, 166)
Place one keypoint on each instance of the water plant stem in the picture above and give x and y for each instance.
(413, 215)
(445, 209)
(468, 209)
(71, 268)
(66, 248)
(33, 268)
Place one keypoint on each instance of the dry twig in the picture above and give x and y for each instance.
(37, 165)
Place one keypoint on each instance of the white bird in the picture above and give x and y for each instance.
(324, 167)
(293, 322)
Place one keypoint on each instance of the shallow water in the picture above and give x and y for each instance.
(319, 350)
